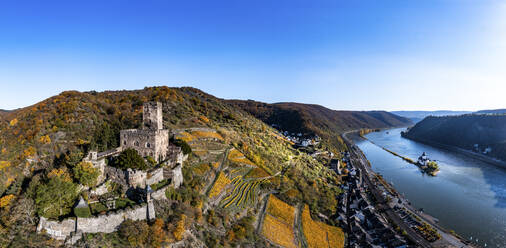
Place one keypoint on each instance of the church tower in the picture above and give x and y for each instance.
(152, 116)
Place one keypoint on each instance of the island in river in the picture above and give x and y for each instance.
(468, 195)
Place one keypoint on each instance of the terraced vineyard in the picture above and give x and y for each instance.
(244, 193)
(198, 134)
(221, 182)
(236, 156)
(319, 234)
(279, 222)
(278, 232)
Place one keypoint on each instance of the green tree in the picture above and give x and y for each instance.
(184, 146)
(86, 174)
(57, 196)
(106, 136)
(129, 158)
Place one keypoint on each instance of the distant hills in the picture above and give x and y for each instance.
(485, 134)
(491, 111)
(417, 116)
(316, 119)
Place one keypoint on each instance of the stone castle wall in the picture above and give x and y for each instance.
(110, 222)
(152, 143)
(136, 178)
(57, 229)
(177, 176)
(155, 176)
(160, 194)
(101, 224)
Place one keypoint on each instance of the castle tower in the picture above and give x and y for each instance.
(152, 116)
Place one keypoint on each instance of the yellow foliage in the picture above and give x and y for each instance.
(82, 142)
(257, 173)
(236, 156)
(195, 135)
(45, 139)
(13, 122)
(4, 150)
(9, 181)
(4, 164)
(59, 173)
(278, 232)
(29, 152)
(6, 200)
(204, 119)
(204, 134)
(202, 169)
(179, 231)
(319, 234)
(282, 211)
(218, 186)
(216, 165)
(187, 137)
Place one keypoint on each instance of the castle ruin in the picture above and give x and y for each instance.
(152, 140)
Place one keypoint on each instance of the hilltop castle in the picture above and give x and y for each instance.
(152, 140)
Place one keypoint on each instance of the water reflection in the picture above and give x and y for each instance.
(467, 195)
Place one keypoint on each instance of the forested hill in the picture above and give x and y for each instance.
(311, 118)
(464, 132)
(417, 116)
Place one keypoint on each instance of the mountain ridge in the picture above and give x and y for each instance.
(472, 132)
(317, 119)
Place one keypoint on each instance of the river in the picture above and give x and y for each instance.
(467, 196)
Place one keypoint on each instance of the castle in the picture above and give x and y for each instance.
(153, 141)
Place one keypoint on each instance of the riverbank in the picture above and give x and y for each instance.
(467, 153)
(399, 205)
(425, 169)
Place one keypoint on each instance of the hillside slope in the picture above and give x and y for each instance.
(316, 119)
(464, 132)
(234, 155)
(417, 116)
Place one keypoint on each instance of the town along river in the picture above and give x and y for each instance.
(467, 195)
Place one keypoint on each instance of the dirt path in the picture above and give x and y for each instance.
(261, 214)
(297, 226)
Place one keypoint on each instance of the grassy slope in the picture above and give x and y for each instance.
(310, 118)
(464, 131)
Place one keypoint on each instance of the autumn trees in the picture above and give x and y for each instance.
(57, 195)
(86, 174)
(140, 234)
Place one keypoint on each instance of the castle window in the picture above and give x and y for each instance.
(148, 145)
(136, 143)
(124, 142)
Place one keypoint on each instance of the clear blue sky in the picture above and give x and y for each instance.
(357, 55)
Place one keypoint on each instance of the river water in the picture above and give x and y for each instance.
(468, 196)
